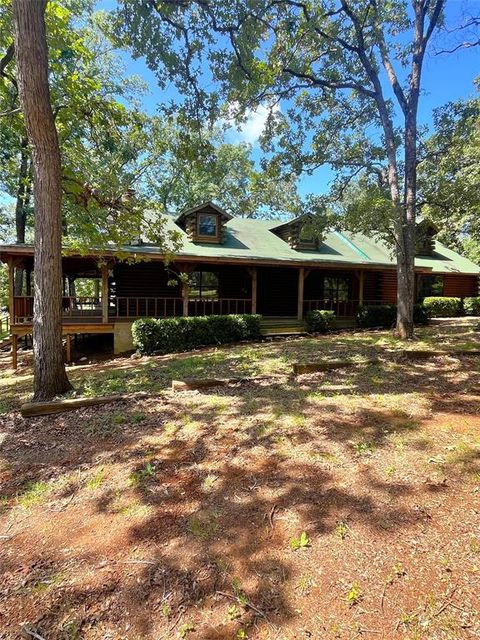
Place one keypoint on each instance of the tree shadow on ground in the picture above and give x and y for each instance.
(235, 474)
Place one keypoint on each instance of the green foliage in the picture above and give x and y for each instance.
(384, 315)
(302, 542)
(320, 321)
(442, 307)
(354, 594)
(471, 306)
(449, 176)
(167, 335)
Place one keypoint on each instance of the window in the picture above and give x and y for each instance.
(430, 286)
(203, 284)
(207, 225)
(336, 288)
(306, 236)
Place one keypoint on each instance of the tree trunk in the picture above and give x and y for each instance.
(20, 210)
(406, 262)
(50, 378)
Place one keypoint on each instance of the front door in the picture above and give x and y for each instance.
(277, 291)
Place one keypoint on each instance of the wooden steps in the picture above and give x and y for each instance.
(282, 327)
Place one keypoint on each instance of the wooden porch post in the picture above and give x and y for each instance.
(14, 350)
(253, 273)
(185, 298)
(11, 290)
(68, 345)
(301, 280)
(360, 287)
(104, 293)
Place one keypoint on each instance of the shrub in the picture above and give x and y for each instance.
(320, 321)
(385, 315)
(440, 307)
(166, 335)
(471, 306)
(377, 315)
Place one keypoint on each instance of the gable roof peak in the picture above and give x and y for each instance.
(203, 205)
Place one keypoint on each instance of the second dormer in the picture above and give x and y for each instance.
(204, 223)
(425, 233)
(300, 233)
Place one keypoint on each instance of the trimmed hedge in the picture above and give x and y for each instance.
(320, 321)
(167, 335)
(471, 306)
(441, 307)
(385, 315)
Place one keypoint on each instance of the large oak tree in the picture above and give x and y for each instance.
(50, 378)
(348, 74)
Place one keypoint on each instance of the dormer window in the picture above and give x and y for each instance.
(301, 233)
(207, 225)
(306, 237)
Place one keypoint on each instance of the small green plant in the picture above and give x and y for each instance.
(188, 627)
(209, 481)
(242, 634)
(341, 530)
(166, 609)
(354, 594)
(140, 476)
(390, 471)
(33, 493)
(305, 584)
(96, 480)
(233, 612)
(364, 448)
(239, 593)
(301, 542)
(137, 417)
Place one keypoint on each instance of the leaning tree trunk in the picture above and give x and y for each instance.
(50, 378)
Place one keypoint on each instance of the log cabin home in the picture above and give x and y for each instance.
(279, 269)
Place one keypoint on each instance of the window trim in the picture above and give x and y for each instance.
(348, 280)
(199, 296)
(217, 226)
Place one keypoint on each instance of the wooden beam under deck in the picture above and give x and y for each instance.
(67, 329)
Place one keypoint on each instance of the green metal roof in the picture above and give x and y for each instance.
(250, 239)
(253, 240)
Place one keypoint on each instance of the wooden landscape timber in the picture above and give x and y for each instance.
(300, 369)
(207, 383)
(31, 409)
(424, 354)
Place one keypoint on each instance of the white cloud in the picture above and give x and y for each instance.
(252, 128)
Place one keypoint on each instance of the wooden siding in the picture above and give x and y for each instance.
(150, 279)
(460, 286)
(388, 287)
(143, 280)
(372, 286)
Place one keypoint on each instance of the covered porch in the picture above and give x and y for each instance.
(110, 291)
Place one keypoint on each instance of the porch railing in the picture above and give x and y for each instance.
(81, 307)
(128, 307)
(342, 308)
(218, 306)
(73, 307)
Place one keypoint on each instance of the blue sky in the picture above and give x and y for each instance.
(446, 77)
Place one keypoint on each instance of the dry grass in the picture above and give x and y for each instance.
(173, 515)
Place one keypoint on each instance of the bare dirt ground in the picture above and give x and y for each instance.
(181, 515)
